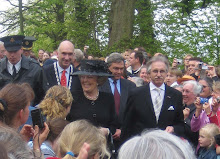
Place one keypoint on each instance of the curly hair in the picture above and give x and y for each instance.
(55, 102)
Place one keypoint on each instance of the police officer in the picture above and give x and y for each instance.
(27, 45)
(17, 68)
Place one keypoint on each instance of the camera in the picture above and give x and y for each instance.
(87, 47)
(203, 100)
(179, 61)
(37, 118)
(218, 99)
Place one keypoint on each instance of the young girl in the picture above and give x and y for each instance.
(207, 141)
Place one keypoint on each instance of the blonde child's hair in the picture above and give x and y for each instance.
(55, 102)
(216, 86)
(76, 134)
(210, 131)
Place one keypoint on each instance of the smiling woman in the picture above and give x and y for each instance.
(97, 107)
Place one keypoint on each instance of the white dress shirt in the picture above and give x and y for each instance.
(10, 67)
(60, 70)
(154, 93)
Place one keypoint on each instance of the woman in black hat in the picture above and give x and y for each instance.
(97, 107)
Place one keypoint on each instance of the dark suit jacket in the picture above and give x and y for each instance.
(139, 113)
(126, 86)
(51, 78)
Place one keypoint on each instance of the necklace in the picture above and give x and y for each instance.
(91, 98)
(58, 78)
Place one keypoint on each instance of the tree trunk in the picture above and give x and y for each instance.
(121, 22)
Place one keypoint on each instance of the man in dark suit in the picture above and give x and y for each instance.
(116, 66)
(155, 105)
(60, 72)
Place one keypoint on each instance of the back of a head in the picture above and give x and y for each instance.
(156, 144)
(78, 55)
(14, 97)
(56, 126)
(14, 144)
(59, 98)
(76, 134)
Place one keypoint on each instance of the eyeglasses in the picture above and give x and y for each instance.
(157, 71)
(204, 86)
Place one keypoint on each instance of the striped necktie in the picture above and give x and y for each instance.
(158, 103)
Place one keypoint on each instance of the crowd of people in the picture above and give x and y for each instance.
(129, 105)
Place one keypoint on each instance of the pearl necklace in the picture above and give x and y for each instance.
(91, 98)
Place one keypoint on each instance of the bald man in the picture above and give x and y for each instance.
(60, 72)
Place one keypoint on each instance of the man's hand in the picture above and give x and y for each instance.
(211, 71)
(186, 113)
(169, 129)
(175, 63)
(198, 107)
(117, 134)
(207, 108)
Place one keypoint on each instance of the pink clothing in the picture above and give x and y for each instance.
(199, 122)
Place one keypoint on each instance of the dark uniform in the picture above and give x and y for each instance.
(30, 71)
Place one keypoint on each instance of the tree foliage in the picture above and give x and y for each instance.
(174, 27)
(189, 27)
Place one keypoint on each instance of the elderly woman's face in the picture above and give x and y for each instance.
(206, 91)
(188, 96)
(89, 83)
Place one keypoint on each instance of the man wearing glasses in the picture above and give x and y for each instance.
(155, 105)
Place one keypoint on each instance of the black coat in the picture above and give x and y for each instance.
(30, 72)
(139, 113)
(126, 86)
(101, 112)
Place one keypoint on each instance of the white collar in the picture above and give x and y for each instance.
(17, 66)
(61, 69)
(152, 86)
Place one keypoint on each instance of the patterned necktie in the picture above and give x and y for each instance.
(158, 103)
(14, 71)
(117, 98)
(63, 79)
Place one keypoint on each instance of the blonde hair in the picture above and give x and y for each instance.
(210, 131)
(216, 85)
(55, 102)
(76, 134)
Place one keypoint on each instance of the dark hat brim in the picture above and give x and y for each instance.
(12, 48)
(92, 73)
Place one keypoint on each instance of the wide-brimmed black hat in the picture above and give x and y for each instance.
(13, 42)
(93, 67)
(28, 42)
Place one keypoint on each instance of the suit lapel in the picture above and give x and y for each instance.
(167, 98)
(124, 91)
(53, 79)
(148, 97)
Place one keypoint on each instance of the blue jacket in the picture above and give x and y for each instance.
(207, 153)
